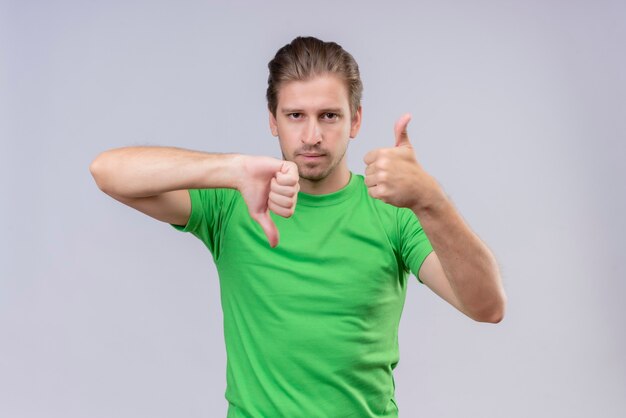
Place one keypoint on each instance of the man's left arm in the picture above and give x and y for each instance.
(461, 269)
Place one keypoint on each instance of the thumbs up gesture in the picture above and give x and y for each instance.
(394, 175)
(269, 184)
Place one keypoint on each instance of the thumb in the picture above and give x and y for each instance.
(268, 226)
(402, 137)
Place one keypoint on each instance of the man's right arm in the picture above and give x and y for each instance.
(154, 180)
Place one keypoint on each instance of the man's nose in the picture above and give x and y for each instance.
(312, 134)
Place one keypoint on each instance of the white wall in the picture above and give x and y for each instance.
(518, 110)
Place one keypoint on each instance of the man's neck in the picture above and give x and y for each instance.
(334, 182)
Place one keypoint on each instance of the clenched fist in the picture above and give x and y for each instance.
(268, 184)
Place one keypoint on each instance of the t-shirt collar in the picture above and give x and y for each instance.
(329, 198)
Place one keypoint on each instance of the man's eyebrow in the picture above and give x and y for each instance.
(296, 110)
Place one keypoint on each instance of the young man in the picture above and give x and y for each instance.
(311, 320)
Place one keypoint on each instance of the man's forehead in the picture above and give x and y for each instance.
(319, 93)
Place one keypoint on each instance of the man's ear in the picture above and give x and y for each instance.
(273, 124)
(356, 122)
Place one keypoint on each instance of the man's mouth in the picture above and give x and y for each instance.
(311, 157)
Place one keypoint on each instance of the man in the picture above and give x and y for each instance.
(311, 320)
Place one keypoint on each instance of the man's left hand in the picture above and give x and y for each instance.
(394, 175)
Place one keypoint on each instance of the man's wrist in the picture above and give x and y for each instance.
(236, 164)
(432, 201)
(223, 171)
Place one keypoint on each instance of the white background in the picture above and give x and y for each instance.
(519, 110)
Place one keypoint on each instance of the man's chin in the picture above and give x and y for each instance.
(312, 174)
(312, 171)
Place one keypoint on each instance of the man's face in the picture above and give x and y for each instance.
(314, 125)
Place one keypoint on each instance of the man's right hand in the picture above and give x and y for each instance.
(268, 184)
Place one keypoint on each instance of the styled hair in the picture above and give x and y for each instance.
(308, 57)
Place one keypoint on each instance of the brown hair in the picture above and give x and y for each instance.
(307, 57)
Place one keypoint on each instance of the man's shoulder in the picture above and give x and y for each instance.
(218, 200)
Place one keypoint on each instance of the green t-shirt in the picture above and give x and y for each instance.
(311, 326)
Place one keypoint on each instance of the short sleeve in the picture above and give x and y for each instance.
(209, 209)
(414, 244)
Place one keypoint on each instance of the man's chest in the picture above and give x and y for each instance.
(340, 263)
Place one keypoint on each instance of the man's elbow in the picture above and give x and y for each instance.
(494, 318)
(99, 169)
(494, 313)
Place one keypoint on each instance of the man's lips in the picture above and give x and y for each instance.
(307, 154)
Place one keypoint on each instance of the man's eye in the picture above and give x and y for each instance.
(294, 115)
(330, 115)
